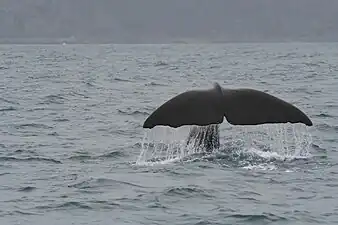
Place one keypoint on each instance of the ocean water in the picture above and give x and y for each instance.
(73, 150)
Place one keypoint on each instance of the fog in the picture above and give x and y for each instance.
(166, 21)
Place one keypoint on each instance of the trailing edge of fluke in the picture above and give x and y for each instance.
(238, 106)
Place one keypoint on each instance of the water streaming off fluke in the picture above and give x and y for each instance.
(163, 145)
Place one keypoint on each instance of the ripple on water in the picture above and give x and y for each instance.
(54, 99)
(8, 101)
(27, 189)
(131, 112)
(68, 205)
(102, 182)
(29, 159)
(257, 218)
(108, 155)
(155, 84)
(188, 192)
(32, 126)
(11, 108)
(122, 80)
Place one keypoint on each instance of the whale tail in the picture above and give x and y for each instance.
(238, 106)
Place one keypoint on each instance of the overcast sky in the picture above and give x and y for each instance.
(163, 21)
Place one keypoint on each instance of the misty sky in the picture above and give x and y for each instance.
(163, 21)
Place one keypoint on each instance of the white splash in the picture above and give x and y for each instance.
(279, 141)
(263, 166)
(162, 145)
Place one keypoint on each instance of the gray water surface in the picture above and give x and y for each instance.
(71, 134)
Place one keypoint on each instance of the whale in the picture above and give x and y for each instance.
(205, 110)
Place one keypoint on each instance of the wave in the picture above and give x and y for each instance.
(121, 80)
(30, 159)
(327, 127)
(161, 63)
(32, 125)
(93, 183)
(27, 189)
(188, 192)
(257, 218)
(54, 99)
(130, 112)
(76, 205)
(108, 155)
(155, 84)
(18, 213)
(65, 206)
(112, 154)
(8, 109)
(324, 115)
(8, 101)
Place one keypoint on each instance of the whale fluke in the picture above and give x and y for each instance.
(238, 106)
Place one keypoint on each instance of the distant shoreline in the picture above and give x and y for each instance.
(183, 41)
